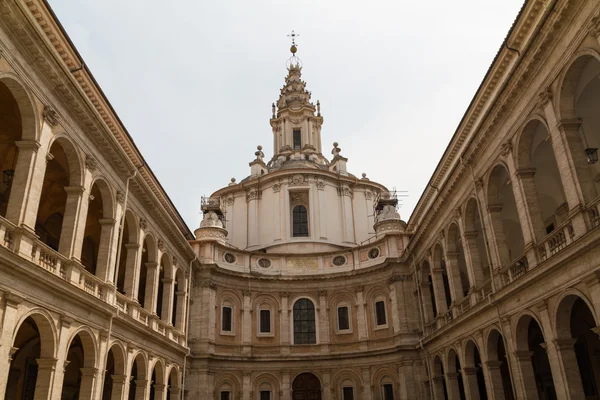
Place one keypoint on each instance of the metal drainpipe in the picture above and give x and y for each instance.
(112, 317)
(187, 325)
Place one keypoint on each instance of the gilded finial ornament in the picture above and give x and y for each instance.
(294, 61)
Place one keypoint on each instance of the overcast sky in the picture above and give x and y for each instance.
(193, 80)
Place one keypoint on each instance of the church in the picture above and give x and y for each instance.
(302, 281)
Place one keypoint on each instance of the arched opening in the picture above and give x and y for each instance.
(540, 177)
(114, 375)
(11, 131)
(579, 354)
(504, 216)
(138, 384)
(78, 380)
(300, 221)
(174, 390)
(475, 244)
(440, 280)
(454, 377)
(179, 291)
(427, 295)
(98, 230)
(146, 281)
(579, 104)
(164, 264)
(440, 390)
(474, 372)
(498, 367)
(306, 386)
(128, 254)
(305, 331)
(533, 359)
(61, 176)
(32, 360)
(457, 262)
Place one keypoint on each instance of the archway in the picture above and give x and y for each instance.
(581, 346)
(579, 104)
(306, 386)
(138, 384)
(157, 382)
(427, 295)
(440, 390)
(454, 377)
(33, 361)
(498, 367)
(179, 291)
(114, 376)
(147, 278)
(504, 216)
(533, 359)
(164, 264)
(457, 263)
(173, 385)
(475, 244)
(473, 372)
(128, 254)
(10, 132)
(98, 230)
(78, 380)
(541, 181)
(440, 280)
(62, 175)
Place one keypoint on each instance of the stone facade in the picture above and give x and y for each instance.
(302, 281)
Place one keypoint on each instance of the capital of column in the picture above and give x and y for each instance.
(132, 246)
(523, 355)
(180, 293)
(525, 172)
(564, 344)
(151, 265)
(119, 378)
(141, 382)
(167, 280)
(74, 190)
(46, 363)
(452, 375)
(469, 371)
(107, 221)
(88, 371)
(496, 364)
(470, 235)
(28, 145)
(494, 208)
(160, 387)
(569, 124)
(596, 330)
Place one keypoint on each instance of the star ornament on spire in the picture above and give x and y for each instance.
(294, 61)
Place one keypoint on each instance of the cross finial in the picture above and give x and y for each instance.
(293, 35)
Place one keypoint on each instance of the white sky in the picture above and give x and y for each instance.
(193, 80)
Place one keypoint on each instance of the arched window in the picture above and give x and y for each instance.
(300, 221)
(304, 322)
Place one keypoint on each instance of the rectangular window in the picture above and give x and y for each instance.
(343, 322)
(265, 321)
(388, 391)
(347, 393)
(265, 395)
(297, 139)
(226, 319)
(380, 313)
(224, 395)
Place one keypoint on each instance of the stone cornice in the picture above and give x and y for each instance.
(58, 62)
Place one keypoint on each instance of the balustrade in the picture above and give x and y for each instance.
(594, 212)
(557, 240)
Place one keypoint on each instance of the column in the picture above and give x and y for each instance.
(570, 369)
(160, 392)
(395, 311)
(131, 270)
(438, 290)
(366, 377)
(326, 390)
(513, 364)
(438, 388)
(452, 386)
(498, 232)
(470, 383)
(118, 387)
(525, 371)
(166, 312)
(454, 276)
(284, 325)
(47, 373)
(496, 388)
(253, 218)
(72, 223)
(9, 322)
(174, 394)
(286, 390)
(475, 266)
(363, 327)
(103, 350)
(26, 187)
(57, 366)
(246, 322)
(246, 387)
(322, 210)
(152, 282)
(107, 230)
(88, 379)
(406, 376)
(426, 302)
(141, 389)
(323, 322)
(558, 374)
